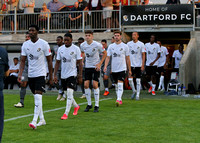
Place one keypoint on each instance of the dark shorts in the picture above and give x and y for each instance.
(176, 70)
(160, 70)
(118, 76)
(136, 72)
(37, 83)
(151, 70)
(92, 74)
(70, 82)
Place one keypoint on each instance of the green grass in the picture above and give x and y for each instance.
(154, 119)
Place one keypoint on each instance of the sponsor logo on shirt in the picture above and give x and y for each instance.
(31, 57)
(133, 52)
(66, 60)
(116, 55)
(87, 55)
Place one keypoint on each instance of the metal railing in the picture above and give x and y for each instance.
(74, 21)
(61, 21)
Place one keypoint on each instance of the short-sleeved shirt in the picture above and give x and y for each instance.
(3, 62)
(82, 5)
(118, 53)
(68, 57)
(36, 54)
(152, 51)
(136, 50)
(14, 67)
(178, 56)
(162, 60)
(92, 53)
(28, 9)
(54, 6)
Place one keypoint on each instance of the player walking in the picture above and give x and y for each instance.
(36, 50)
(119, 64)
(152, 54)
(92, 49)
(69, 55)
(137, 52)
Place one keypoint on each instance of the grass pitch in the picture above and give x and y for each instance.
(153, 119)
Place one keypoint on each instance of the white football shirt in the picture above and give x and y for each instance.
(118, 52)
(68, 57)
(92, 53)
(163, 53)
(152, 51)
(177, 55)
(136, 50)
(36, 54)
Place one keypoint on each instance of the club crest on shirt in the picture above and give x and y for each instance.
(121, 49)
(93, 50)
(39, 49)
(138, 47)
(71, 53)
(154, 48)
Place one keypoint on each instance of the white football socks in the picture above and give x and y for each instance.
(120, 91)
(70, 100)
(153, 87)
(161, 83)
(96, 97)
(88, 96)
(138, 81)
(116, 89)
(131, 83)
(38, 107)
(150, 83)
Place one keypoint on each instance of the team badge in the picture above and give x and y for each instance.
(93, 50)
(121, 49)
(39, 49)
(71, 53)
(125, 17)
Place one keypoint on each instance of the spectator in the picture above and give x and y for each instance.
(12, 78)
(28, 6)
(196, 2)
(177, 56)
(55, 6)
(75, 16)
(107, 13)
(173, 2)
(146, 2)
(82, 4)
(115, 15)
(11, 7)
(95, 16)
(43, 17)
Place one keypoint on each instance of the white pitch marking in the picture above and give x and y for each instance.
(19, 117)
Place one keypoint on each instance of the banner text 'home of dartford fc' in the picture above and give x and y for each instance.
(157, 14)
